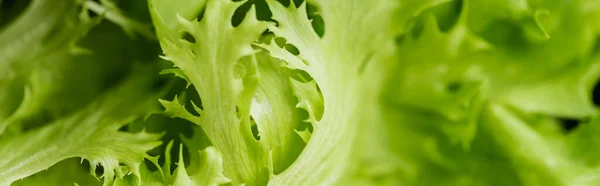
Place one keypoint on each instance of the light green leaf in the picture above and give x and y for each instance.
(341, 63)
(273, 110)
(91, 133)
(175, 109)
(211, 173)
(538, 159)
(45, 30)
(208, 56)
(566, 95)
(309, 99)
(67, 172)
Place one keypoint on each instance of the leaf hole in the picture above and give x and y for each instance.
(300, 76)
(569, 124)
(292, 49)
(240, 13)
(254, 129)
(124, 128)
(287, 3)
(192, 98)
(317, 21)
(99, 170)
(280, 41)
(263, 12)
(596, 94)
(188, 37)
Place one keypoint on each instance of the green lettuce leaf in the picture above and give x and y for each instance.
(208, 57)
(498, 90)
(20, 53)
(92, 133)
(344, 65)
(67, 172)
(299, 92)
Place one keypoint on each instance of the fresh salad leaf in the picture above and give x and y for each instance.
(299, 92)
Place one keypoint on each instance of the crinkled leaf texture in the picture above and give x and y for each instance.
(208, 170)
(46, 30)
(499, 84)
(67, 172)
(393, 92)
(239, 89)
(209, 62)
(345, 65)
(92, 133)
(46, 52)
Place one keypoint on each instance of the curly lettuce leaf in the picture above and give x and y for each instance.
(55, 34)
(67, 172)
(342, 64)
(211, 172)
(209, 58)
(206, 169)
(57, 75)
(500, 92)
(377, 92)
(92, 133)
(108, 10)
(273, 110)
